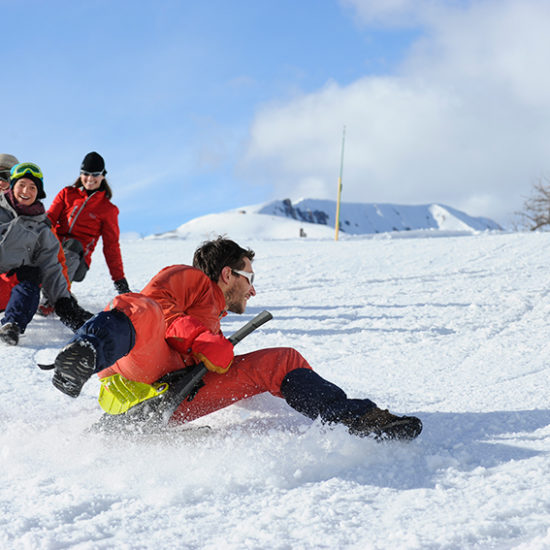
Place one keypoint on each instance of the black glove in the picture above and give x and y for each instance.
(29, 273)
(70, 313)
(122, 286)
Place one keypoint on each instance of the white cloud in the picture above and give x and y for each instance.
(466, 121)
(397, 13)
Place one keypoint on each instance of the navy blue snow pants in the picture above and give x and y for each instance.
(112, 335)
(305, 391)
(22, 304)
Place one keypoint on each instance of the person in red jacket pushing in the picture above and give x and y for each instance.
(83, 212)
(175, 322)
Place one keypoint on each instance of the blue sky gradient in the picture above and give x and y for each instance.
(199, 107)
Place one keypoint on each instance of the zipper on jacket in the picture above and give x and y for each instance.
(71, 225)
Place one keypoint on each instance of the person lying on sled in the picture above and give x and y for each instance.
(175, 322)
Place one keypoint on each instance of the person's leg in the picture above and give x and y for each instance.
(73, 256)
(22, 304)
(99, 342)
(285, 373)
(80, 272)
(250, 374)
(128, 339)
(315, 397)
(150, 357)
(7, 282)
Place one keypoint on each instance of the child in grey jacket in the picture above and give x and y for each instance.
(30, 249)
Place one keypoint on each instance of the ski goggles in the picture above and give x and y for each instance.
(4, 175)
(246, 274)
(93, 174)
(20, 170)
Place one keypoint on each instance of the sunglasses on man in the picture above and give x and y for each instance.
(246, 274)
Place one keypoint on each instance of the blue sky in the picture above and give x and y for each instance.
(199, 107)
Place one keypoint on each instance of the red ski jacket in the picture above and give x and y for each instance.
(183, 290)
(75, 215)
(176, 292)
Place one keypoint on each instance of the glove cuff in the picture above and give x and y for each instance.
(121, 286)
(210, 366)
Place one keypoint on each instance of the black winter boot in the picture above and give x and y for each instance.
(381, 424)
(74, 365)
(9, 334)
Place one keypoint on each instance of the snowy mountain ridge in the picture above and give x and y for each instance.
(315, 218)
(360, 218)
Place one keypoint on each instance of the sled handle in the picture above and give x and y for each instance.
(262, 317)
(172, 400)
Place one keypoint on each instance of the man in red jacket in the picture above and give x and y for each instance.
(175, 322)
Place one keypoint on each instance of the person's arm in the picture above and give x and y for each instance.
(47, 253)
(55, 283)
(110, 235)
(188, 336)
(57, 207)
(61, 259)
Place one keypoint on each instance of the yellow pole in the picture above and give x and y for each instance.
(337, 221)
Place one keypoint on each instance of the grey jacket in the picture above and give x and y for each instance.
(29, 240)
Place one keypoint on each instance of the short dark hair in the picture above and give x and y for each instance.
(212, 256)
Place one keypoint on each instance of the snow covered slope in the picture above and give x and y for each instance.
(315, 218)
(451, 329)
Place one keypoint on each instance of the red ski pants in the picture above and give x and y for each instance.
(151, 358)
(250, 374)
(6, 285)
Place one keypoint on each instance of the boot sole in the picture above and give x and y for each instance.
(405, 428)
(73, 367)
(11, 338)
(402, 428)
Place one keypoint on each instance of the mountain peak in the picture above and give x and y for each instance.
(315, 218)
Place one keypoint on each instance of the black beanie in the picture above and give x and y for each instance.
(37, 181)
(93, 162)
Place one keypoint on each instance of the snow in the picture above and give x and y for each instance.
(240, 226)
(451, 329)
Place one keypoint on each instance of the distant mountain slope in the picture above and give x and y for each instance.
(361, 218)
(314, 218)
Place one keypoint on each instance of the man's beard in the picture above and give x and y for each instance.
(234, 305)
